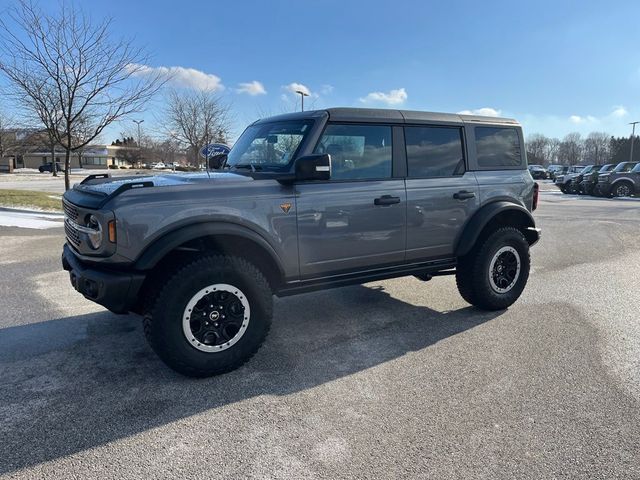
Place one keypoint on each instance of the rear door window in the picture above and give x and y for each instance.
(434, 151)
(498, 147)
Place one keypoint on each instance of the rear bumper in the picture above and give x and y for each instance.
(114, 290)
(533, 235)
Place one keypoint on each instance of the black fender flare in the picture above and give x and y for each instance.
(173, 239)
(474, 226)
(624, 179)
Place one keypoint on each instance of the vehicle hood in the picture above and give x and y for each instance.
(93, 193)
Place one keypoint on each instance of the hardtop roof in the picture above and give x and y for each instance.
(347, 114)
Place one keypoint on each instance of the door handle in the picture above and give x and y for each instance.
(386, 200)
(463, 195)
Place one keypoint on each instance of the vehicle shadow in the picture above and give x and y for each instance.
(75, 383)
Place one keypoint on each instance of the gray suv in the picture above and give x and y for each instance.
(303, 202)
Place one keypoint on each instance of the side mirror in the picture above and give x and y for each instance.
(217, 161)
(314, 167)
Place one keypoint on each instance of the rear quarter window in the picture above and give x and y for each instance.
(498, 147)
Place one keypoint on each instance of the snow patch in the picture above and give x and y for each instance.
(35, 220)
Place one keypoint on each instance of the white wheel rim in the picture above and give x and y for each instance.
(496, 275)
(200, 331)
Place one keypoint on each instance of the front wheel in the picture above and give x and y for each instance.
(622, 189)
(493, 275)
(211, 316)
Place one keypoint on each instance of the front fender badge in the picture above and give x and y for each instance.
(285, 207)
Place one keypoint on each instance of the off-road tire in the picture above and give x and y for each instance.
(473, 272)
(163, 322)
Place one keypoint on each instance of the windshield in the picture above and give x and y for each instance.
(636, 169)
(606, 168)
(587, 169)
(269, 145)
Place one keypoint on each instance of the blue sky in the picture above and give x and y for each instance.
(556, 66)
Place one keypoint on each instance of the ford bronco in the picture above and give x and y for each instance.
(303, 202)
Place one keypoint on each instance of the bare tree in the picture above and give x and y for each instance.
(196, 118)
(571, 149)
(7, 134)
(552, 150)
(537, 149)
(67, 69)
(596, 147)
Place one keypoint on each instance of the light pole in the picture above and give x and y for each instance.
(138, 122)
(302, 95)
(633, 138)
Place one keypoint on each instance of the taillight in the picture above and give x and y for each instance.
(536, 193)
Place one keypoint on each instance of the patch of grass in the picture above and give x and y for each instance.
(30, 200)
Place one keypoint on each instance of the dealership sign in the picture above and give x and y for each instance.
(214, 149)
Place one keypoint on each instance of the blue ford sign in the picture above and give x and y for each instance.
(212, 149)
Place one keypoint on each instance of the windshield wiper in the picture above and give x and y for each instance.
(248, 166)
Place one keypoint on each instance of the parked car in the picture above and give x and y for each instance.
(575, 179)
(622, 181)
(552, 170)
(538, 172)
(563, 181)
(590, 180)
(307, 201)
(158, 166)
(48, 167)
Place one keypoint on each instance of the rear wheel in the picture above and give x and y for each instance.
(211, 316)
(493, 275)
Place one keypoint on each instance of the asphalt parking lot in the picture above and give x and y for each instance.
(394, 379)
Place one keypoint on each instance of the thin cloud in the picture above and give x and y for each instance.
(485, 112)
(295, 87)
(577, 119)
(251, 88)
(393, 97)
(326, 89)
(180, 76)
(619, 111)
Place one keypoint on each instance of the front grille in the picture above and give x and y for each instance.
(70, 211)
(72, 234)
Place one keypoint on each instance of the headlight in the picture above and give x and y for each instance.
(94, 232)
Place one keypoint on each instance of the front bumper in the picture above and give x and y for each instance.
(112, 289)
(604, 188)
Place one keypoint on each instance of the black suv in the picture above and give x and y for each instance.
(590, 180)
(563, 181)
(622, 181)
(48, 167)
(575, 180)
